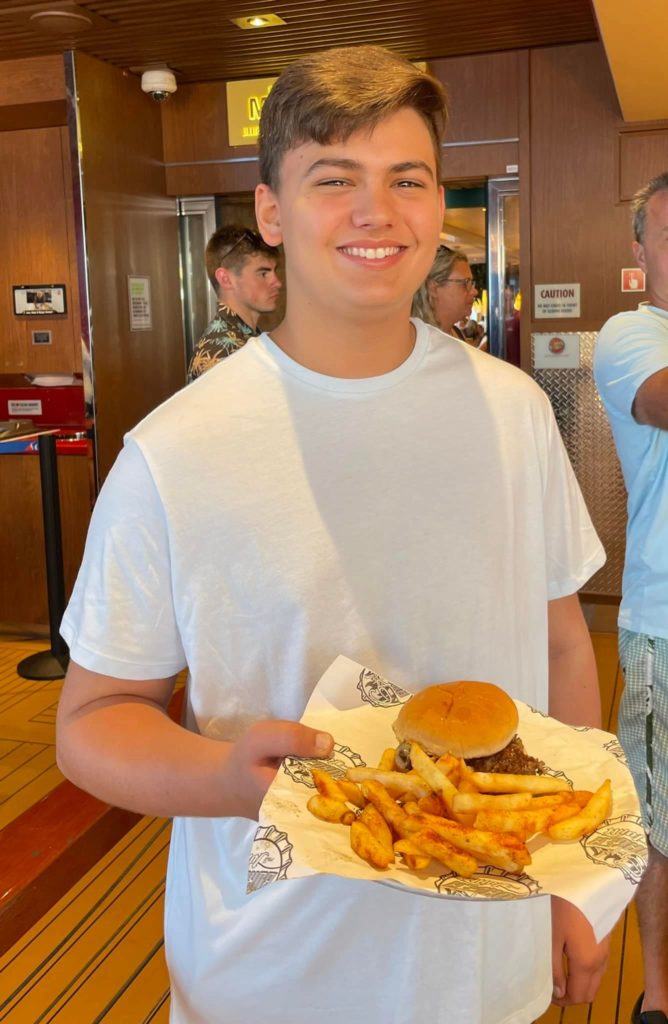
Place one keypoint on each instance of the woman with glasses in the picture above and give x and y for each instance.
(446, 296)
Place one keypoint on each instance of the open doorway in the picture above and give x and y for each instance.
(482, 220)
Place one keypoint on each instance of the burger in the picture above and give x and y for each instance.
(472, 720)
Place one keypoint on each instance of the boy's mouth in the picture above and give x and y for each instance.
(380, 252)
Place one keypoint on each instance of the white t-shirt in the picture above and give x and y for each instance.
(269, 518)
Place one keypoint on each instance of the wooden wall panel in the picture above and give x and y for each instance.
(580, 232)
(35, 248)
(483, 95)
(32, 93)
(464, 162)
(194, 125)
(23, 599)
(32, 80)
(131, 229)
(642, 155)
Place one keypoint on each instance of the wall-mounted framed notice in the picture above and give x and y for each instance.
(39, 299)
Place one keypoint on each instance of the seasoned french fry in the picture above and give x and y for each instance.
(386, 763)
(522, 823)
(432, 804)
(588, 819)
(560, 813)
(552, 799)
(464, 802)
(396, 783)
(368, 847)
(499, 782)
(394, 815)
(377, 826)
(428, 841)
(327, 809)
(502, 850)
(353, 794)
(432, 774)
(327, 785)
(465, 784)
(581, 796)
(413, 858)
(413, 806)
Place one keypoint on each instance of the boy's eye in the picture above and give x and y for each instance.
(333, 181)
(409, 183)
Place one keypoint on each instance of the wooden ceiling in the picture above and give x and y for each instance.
(196, 39)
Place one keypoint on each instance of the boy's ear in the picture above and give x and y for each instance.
(222, 276)
(268, 215)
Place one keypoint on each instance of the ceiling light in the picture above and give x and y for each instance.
(258, 21)
(60, 22)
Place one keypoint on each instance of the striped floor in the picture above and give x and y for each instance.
(97, 956)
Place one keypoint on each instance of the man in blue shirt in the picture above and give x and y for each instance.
(631, 372)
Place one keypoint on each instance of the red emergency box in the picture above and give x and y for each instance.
(49, 404)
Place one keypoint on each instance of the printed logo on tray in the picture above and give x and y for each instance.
(343, 758)
(380, 692)
(554, 774)
(489, 883)
(619, 843)
(614, 747)
(270, 858)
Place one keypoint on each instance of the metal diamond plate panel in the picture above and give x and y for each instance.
(588, 439)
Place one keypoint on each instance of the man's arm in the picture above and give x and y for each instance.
(116, 740)
(578, 960)
(650, 406)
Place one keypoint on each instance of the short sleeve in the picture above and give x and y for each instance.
(120, 620)
(629, 349)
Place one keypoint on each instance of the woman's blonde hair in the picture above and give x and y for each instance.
(440, 272)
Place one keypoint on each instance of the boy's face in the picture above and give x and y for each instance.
(359, 220)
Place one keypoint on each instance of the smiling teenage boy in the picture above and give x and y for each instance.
(340, 505)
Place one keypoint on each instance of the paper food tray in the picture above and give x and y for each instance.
(598, 874)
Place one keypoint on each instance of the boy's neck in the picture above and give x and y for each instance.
(346, 348)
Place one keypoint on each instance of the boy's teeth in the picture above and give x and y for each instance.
(372, 254)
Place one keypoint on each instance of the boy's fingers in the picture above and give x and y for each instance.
(278, 739)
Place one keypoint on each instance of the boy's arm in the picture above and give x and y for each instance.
(116, 740)
(574, 695)
(578, 960)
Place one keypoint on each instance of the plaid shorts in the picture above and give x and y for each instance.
(643, 727)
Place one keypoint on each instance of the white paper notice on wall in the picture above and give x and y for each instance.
(556, 301)
(139, 299)
(556, 351)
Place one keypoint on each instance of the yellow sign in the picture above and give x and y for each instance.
(244, 105)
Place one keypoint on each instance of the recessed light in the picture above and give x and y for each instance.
(258, 21)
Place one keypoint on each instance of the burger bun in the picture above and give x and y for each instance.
(464, 718)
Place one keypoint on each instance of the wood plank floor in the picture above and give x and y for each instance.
(97, 956)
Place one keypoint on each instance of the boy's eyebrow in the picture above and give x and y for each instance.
(346, 164)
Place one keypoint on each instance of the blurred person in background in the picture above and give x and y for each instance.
(446, 297)
(631, 373)
(242, 271)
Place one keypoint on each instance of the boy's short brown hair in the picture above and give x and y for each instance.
(231, 246)
(326, 96)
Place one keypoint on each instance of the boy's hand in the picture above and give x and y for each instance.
(578, 960)
(254, 759)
